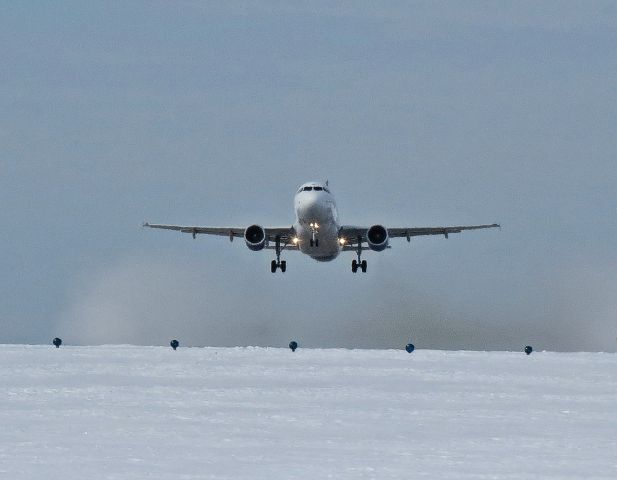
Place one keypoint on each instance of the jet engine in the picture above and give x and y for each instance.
(377, 238)
(255, 237)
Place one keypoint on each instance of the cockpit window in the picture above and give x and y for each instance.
(308, 189)
(318, 189)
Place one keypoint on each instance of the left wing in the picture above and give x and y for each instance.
(418, 231)
(285, 234)
(353, 233)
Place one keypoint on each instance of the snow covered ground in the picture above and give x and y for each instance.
(126, 412)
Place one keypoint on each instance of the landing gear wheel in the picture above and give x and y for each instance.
(363, 266)
(317, 242)
(276, 264)
(354, 266)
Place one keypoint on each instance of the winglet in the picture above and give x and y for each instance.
(145, 224)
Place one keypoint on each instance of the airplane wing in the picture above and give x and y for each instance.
(352, 233)
(285, 233)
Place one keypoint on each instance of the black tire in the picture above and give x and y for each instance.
(363, 266)
(316, 242)
(283, 266)
(273, 266)
(354, 266)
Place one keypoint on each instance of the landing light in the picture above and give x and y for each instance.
(342, 241)
(295, 240)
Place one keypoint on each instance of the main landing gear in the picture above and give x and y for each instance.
(274, 265)
(355, 264)
(358, 263)
(278, 263)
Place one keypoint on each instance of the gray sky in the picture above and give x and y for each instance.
(419, 113)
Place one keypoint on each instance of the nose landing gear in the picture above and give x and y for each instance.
(314, 241)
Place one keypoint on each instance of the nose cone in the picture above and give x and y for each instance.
(308, 207)
(318, 209)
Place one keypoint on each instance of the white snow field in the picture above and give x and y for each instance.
(127, 412)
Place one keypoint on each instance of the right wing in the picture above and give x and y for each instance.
(285, 234)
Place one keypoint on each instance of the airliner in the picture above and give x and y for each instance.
(317, 231)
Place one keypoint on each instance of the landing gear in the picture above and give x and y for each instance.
(359, 263)
(355, 264)
(274, 265)
(278, 263)
(314, 242)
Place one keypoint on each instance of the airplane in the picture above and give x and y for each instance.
(317, 232)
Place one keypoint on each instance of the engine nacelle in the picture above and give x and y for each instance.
(377, 238)
(255, 237)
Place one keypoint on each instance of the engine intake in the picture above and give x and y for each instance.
(255, 237)
(377, 238)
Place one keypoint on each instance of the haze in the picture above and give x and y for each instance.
(418, 113)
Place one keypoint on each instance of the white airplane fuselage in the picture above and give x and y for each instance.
(316, 226)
